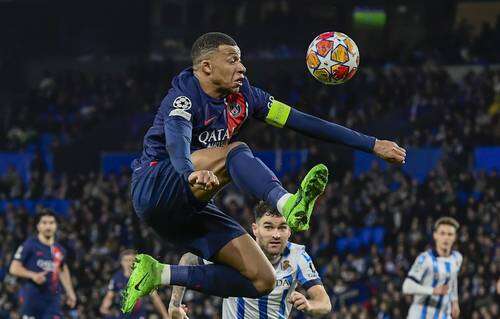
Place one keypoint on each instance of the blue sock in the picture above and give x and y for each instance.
(251, 175)
(214, 279)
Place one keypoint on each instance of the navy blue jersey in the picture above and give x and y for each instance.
(37, 257)
(119, 282)
(213, 122)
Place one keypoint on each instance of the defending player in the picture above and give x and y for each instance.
(293, 267)
(119, 282)
(192, 151)
(41, 260)
(433, 277)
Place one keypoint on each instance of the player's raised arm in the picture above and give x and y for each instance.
(330, 132)
(279, 114)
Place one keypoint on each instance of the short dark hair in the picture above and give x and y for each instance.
(262, 208)
(446, 221)
(45, 212)
(207, 43)
(127, 252)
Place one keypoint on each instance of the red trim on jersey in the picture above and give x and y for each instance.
(57, 258)
(236, 112)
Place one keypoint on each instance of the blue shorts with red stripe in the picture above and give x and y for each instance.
(37, 305)
(163, 199)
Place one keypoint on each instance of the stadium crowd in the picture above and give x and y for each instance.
(364, 282)
(429, 107)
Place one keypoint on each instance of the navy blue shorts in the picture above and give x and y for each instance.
(39, 306)
(165, 202)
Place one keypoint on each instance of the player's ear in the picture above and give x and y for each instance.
(254, 229)
(206, 67)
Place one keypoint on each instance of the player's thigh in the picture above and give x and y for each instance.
(30, 307)
(212, 159)
(243, 254)
(53, 312)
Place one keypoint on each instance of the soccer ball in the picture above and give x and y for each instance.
(332, 58)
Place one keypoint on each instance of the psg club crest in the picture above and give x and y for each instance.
(234, 109)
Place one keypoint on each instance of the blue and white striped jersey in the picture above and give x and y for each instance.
(431, 270)
(295, 267)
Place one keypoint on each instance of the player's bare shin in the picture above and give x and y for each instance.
(178, 291)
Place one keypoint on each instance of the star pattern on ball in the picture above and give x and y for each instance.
(332, 58)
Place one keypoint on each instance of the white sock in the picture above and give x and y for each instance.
(282, 201)
(165, 275)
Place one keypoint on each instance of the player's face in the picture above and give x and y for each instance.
(226, 69)
(272, 234)
(127, 261)
(444, 237)
(47, 226)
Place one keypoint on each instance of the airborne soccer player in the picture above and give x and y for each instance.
(192, 150)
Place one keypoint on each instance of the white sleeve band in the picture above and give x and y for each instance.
(410, 287)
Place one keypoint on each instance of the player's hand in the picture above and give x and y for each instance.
(178, 312)
(104, 311)
(299, 301)
(71, 300)
(205, 180)
(389, 151)
(440, 290)
(455, 310)
(39, 277)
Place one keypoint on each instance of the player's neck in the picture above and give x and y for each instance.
(49, 241)
(208, 87)
(442, 252)
(273, 259)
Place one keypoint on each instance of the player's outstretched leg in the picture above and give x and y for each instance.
(237, 163)
(243, 270)
(253, 176)
(298, 208)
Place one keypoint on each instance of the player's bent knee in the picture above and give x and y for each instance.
(233, 145)
(264, 284)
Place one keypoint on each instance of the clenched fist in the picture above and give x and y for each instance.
(205, 180)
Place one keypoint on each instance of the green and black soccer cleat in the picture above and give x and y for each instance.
(299, 207)
(145, 277)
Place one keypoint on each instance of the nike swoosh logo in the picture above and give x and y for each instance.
(140, 281)
(208, 121)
